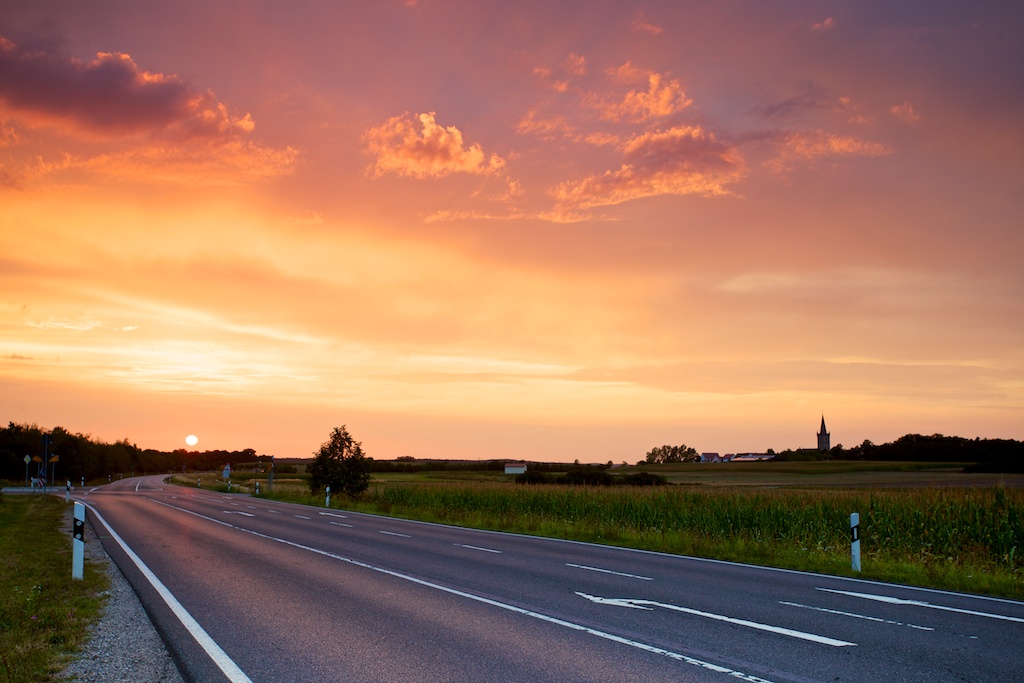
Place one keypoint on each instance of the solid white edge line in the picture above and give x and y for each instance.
(219, 657)
(678, 656)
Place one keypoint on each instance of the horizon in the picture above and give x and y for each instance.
(532, 232)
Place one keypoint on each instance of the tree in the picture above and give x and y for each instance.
(340, 464)
(682, 453)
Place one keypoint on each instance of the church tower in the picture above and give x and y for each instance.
(824, 440)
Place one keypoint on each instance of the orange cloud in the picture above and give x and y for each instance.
(231, 163)
(647, 27)
(576, 64)
(427, 151)
(681, 161)
(812, 146)
(107, 97)
(662, 98)
(824, 25)
(905, 112)
(545, 129)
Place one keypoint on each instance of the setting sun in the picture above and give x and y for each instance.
(191, 439)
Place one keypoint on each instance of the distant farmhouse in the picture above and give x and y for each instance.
(824, 445)
(751, 457)
(515, 468)
(735, 457)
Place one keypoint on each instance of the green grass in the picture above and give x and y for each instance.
(44, 613)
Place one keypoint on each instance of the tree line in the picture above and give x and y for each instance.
(81, 456)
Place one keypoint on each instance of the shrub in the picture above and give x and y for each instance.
(587, 477)
(532, 477)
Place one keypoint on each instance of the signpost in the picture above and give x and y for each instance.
(27, 461)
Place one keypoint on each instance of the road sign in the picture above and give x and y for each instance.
(27, 460)
(37, 458)
(54, 458)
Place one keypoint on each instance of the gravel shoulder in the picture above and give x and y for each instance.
(123, 645)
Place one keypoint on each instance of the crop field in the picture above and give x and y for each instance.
(943, 529)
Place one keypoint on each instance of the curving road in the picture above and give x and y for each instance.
(250, 590)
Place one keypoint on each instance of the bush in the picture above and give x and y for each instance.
(532, 477)
(587, 477)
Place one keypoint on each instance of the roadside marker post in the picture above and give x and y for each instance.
(855, 540)
(328, 503)
(67, 492)
(78, 542)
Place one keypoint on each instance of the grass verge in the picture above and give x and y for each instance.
(44, 613)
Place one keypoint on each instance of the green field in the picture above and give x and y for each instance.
(921, 524)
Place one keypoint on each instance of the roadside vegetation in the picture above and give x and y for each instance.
(44, 613)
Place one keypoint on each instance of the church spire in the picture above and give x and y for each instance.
(824, 438)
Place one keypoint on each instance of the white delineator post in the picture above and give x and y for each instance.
(855, 540)
(78, 543)
(328, 503)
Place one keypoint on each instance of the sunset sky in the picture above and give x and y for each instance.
(538, 230)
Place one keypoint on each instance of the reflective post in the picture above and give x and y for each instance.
(855, 540)
(78, 543)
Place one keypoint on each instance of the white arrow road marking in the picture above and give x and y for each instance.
(237, 512)
(650, 604)
(855, 616)
(608, 571)
(921, 603)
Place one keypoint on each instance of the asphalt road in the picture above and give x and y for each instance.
(249, 590)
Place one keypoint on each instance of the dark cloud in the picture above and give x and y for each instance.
(109, 95)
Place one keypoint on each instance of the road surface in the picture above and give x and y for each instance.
(246, 589)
